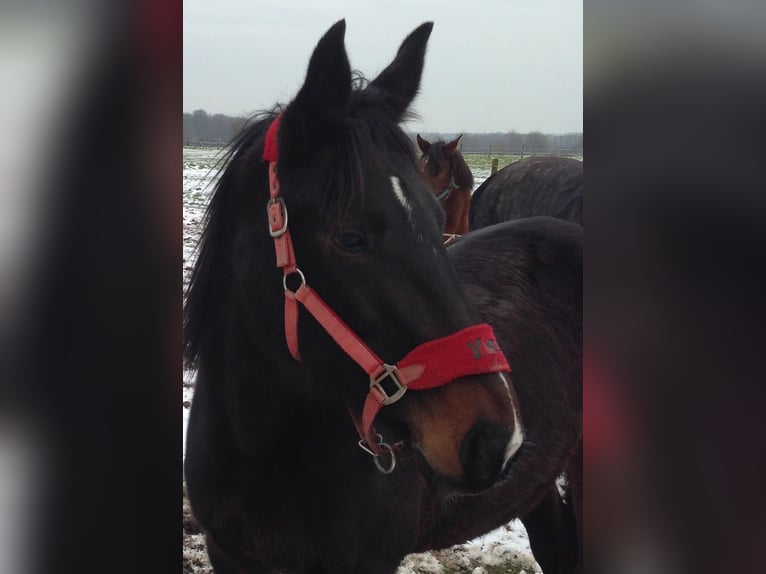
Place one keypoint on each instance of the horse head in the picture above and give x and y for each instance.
(442, 167)
(364, 275)
(446, 173)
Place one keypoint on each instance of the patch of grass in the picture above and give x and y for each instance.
(510, 567)
(483, 161)
(481, 164)
(455, 562)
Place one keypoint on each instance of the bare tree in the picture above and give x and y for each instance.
(536, 142)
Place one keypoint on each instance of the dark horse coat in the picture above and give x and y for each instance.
(525, 277)
(551, 186)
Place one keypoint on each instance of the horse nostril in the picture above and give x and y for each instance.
(483, 453)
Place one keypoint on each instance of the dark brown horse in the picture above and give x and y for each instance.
(274, 470)
(551, 186)
(539, 186)
(525, 277)
(443, 168)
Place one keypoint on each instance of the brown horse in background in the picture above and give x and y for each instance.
(443, 168)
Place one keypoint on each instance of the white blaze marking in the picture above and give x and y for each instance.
(518, 434)
(397, 185)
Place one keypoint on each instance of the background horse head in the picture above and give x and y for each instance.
(535, 186)
(365, 234)
(445, 171)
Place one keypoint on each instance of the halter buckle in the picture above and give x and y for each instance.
(389, 372)
(276, 211)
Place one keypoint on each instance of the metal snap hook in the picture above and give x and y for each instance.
(377, 455)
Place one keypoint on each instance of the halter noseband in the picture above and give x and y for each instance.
(450, 186)
(432, 364)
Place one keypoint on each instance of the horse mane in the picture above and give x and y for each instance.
(196, 310)
(461, 173)
(370, 138)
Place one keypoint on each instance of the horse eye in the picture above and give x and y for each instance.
(350, 240)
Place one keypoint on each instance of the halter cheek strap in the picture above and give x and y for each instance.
(450, 186)
(470, 351)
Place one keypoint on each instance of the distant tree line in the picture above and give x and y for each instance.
(514, 143)
(201, 128)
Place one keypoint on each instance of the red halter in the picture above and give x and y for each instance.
(470, 351)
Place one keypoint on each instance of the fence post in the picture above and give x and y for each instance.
(494, 165)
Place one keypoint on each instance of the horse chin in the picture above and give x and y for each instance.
(445, 486)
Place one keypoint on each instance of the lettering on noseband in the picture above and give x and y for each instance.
(482, 347)
(491, 345)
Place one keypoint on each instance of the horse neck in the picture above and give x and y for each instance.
(257, 390)
(245, 367)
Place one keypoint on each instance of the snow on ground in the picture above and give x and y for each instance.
(199, 176)
(508, 544)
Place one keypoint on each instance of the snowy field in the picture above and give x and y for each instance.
(505, 550)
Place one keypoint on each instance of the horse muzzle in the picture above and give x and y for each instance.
(466, 433)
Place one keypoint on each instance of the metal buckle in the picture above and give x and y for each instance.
(389, 371)
(273, 201)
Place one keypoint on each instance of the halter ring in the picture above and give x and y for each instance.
(300, 274)
(376, 455)
(376, 459)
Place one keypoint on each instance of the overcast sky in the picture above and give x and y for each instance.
(492, 65)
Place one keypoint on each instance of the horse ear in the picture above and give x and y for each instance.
(423, 144)
(326, 89)
(452, 146)
(399, 82)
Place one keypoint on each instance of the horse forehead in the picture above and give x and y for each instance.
(437, 160)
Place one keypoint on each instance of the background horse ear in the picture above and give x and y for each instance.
(452, 146)
(398, 84)
(423, 144)
(324, 92)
